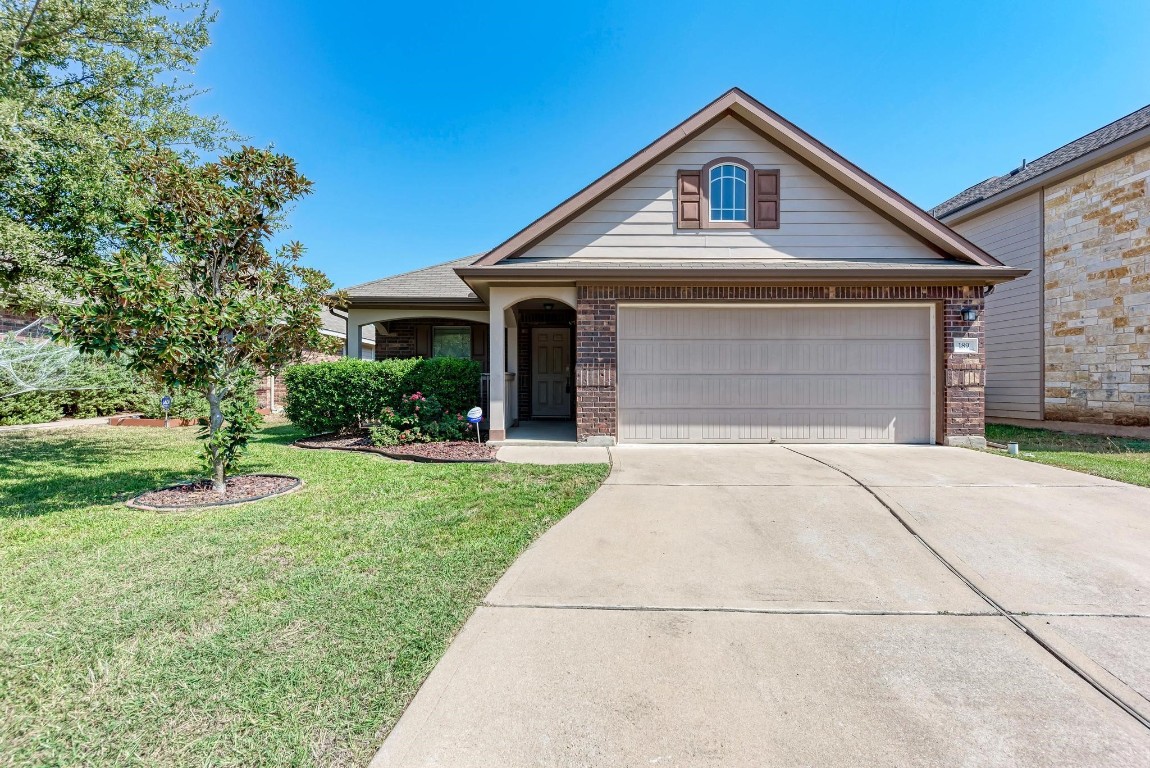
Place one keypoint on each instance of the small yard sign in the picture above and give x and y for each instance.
(166, 404)
(474, 416)
(966, 345)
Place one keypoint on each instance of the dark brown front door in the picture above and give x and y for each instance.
(551, 372)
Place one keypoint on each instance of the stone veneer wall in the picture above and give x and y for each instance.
(963, 387)
(1097, 294)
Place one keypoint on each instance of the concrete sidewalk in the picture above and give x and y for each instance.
(754, 605)
(99, 421)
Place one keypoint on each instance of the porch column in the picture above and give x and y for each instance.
(353, 347)
(497, 365)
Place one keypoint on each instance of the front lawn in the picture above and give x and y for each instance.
(1117, 458)
(291, 631)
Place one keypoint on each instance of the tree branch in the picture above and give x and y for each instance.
(19, 41)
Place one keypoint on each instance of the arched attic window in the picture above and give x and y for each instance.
(727, 192)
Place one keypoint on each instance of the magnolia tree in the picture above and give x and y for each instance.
(196, 297)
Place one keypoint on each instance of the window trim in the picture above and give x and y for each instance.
(705, 220)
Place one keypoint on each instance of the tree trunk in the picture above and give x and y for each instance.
(215, 423)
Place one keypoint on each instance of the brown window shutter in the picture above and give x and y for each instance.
(767, 199)
(478, 341)
(690, 201)
(423, 340)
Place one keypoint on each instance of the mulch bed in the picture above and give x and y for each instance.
(454, 451)
(241, 488)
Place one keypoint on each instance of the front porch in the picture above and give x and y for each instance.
(527, 333)
(532, 338)
(541, 432)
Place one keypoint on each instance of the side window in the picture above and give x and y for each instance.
(451, 341)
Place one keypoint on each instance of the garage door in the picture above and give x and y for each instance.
(818, 374)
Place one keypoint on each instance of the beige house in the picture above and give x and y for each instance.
(734, 281)
(1071, 340)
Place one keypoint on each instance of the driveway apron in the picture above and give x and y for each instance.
(808, 605)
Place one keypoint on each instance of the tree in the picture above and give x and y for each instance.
(196, 298)
(84, 86)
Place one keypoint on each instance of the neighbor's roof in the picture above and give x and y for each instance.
(1091, 142)
(435, 283)
(798, 142)
(336, 325)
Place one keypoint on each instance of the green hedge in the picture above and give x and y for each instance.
(348, 394)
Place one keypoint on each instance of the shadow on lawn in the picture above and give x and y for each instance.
(39, 477)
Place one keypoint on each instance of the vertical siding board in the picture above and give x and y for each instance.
(1014, 377)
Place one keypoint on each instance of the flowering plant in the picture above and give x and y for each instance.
(419, 418)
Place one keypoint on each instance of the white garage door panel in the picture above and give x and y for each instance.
(815, 374)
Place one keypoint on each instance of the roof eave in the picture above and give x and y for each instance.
(972, 275)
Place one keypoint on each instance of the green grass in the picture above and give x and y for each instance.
(288, 632)
(1117, 458)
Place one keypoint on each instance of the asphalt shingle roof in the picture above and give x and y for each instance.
(438, 281)
(1107, 134)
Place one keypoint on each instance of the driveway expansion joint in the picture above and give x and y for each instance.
(712, 609)
(1011, 617)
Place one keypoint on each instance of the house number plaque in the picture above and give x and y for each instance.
(966, 345)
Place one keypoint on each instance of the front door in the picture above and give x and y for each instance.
(551, 372)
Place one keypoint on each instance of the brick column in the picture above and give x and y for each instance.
(964, 404)
(595, 358)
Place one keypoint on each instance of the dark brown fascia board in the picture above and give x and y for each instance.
(793, 138)
(966, 276)
(1090, 160)
(410, 303)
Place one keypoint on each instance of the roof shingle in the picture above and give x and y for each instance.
(996, 185)
(438, 281)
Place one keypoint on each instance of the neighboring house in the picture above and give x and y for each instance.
(734, 281)
(270, 389)
(25, 325)
(1071, 340)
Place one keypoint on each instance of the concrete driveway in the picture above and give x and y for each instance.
(809, 605)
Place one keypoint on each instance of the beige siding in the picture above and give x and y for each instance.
(819, 220)
(1013, 234)
(848, 374)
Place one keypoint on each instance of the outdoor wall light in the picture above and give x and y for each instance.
(969, 314)
(548, 306)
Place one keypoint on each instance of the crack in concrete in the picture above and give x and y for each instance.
(1012, 618)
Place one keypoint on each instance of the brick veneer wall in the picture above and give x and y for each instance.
(9, 323)
(1097, 295)
(963, 377)
(400, 340)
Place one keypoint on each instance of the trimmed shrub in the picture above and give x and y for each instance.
(103, 387)
(419, 418)
(185, 405)
(452, 381)
(32, 408)
(353, 394)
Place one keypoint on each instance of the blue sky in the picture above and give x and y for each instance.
(435, 130)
